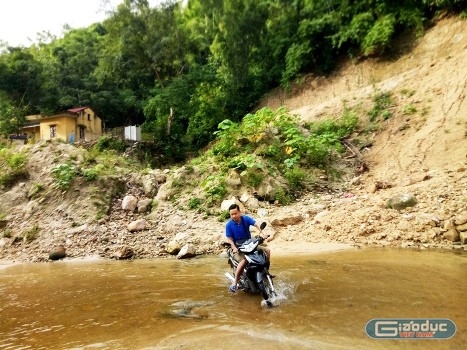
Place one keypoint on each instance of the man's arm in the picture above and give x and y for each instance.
(232, 244)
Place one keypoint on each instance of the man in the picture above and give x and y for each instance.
(237, 231)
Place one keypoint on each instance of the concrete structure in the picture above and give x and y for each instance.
(73, 125)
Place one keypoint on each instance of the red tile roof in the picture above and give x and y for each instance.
(77, 110)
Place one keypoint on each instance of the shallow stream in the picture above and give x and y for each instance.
(324, 302)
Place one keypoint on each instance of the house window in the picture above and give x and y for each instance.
(89, 117)
(53, 131)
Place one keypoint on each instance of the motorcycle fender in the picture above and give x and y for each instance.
(259, 277)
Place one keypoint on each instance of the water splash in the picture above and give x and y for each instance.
(284, 291)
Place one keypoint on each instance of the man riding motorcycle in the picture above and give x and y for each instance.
(237, 231)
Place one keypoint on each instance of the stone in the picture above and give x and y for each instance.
(125, 253)
(451, 233)
(138, 225)
(463, 237)
(188, 251)
(129, 203)
(244, 197)
(287, 220)
(461, 219)
(173, 247)
(228, 202)
(144, 205)
(160, 176)
(150, 186)
(462, 228)
(233, 179)
(252, 203)
(401, 201)
(268, 188)
(57, 253)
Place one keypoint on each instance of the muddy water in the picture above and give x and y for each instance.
(324, 302)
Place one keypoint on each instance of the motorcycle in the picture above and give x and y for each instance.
(255, 278)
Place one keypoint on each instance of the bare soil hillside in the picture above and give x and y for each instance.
(421, 153)
(420, 150)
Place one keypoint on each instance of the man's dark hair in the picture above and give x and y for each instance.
(234, 206)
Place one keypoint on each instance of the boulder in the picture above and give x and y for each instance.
(228, 202)
(165, 192)
(188, 251)
(463, 237)
(233, 179)
(125, 253)
(138, 225)
(461, 219)
(144, 205)
(252, 203)
(401, 201)
(173, 247)
(129, 203)
(267, 190)
(287, 220)
(451, 234)
(57, 253)
(150, 185)
(160, 175)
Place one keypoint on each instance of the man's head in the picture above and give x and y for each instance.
(235, 213)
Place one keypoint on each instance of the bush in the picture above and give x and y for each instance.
(64, 175)
(110, 143)
(13, 167)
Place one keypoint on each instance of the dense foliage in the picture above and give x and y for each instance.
(182, 68)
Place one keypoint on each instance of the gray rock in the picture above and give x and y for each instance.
(129, 203)
(252, 203)
(188, 251)
(144, 205)
(150, 185)
(138, 225)
(402, 201)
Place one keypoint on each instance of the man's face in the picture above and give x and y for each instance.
(235, 214)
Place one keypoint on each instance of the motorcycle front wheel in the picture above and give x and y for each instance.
(266, 288)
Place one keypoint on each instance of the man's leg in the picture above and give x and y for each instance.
(238, 272)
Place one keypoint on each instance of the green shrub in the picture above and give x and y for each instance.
(31, 234)
(295, 178)
(379, 37)
(282, 197)
(409, 109)
(110, 143)
(194, 203)
(64, 175)
(93, 173)
(382, 104)
(13, 167)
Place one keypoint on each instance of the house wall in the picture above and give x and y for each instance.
(91, 122)
(64, 125)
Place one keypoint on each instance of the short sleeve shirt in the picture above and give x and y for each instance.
(240, 231)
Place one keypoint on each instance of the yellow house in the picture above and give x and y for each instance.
(75, 124)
